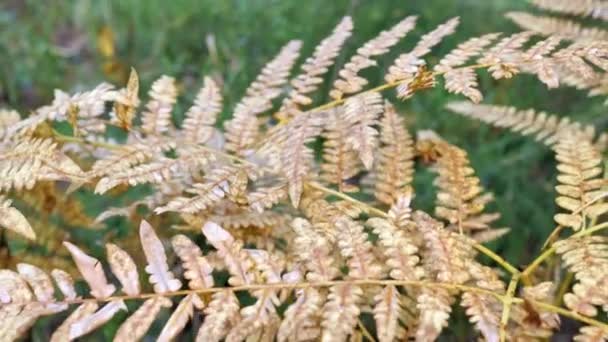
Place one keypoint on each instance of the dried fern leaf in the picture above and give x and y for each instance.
(399, 250)
(460, 199)
(12, 219)
(158, 269)
(591, 334)
(464, 80)
(301, 317)
(580, 167)
(124, 268)
(92, 272)
(27, 161)
(222, 314)
(265, 197)
(8, 118)
(447, 253)
(314, 251)
(387, 312)
(92, 321)
(546, 128)
(340, 312)
(591, 8)
(406, 65)
(435, 308)
(220, 183)
(127, 101)
(243, 129)
(355, 247)
(156, 120)
(340, 162)
(553, 26)
(349, 81)
(180, 317)
(315, 67)
(237, 261)
(362, 112)
(587, 258)
(500, 56)
(296, 157)
(136, 326)
(196, 268)
(200, 118)
(395, 167)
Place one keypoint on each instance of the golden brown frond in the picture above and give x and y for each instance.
(546, 128)
(200, 118)
(552, 26)
(460, 199)
(361, 112)
(580, 182)
(500, 56)
(243, 129)
(296, 157)
(349, 81)
(220, 183)
(340, 161)
(27, 161)
(407, 65)
(587, 258)
(156, 120)
(315, 67)
(394, 170)
(127, 101)
(592, 8)
(13, 219)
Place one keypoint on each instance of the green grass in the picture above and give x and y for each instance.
(173, 37)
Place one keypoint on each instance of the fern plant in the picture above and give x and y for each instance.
(288, 239)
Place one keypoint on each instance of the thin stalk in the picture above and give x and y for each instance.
(507, 302)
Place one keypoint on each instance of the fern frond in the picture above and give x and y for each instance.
(587, 258)
(500, 56)
(127, 101)
(27, 161)
(546, 128)
(200, 118)
(355, 247)
(340, 312)
(361, 112)
(552, 26)
(314, 251)
(349, 81)
(407, 64)
(296, 157)
(8, 119)
(591, 8)
(340, 162)
(394, 170)
(12, 219)
(242, 130)
(315, 67)
(580, 167)
(221, 182)
(156, 120)
(460, 199)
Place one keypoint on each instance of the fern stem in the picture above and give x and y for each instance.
(507, 302)
(362, 282)
(525, 274)
(563, 288)
(389, 85)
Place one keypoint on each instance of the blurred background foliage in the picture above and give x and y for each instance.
(75, 44)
